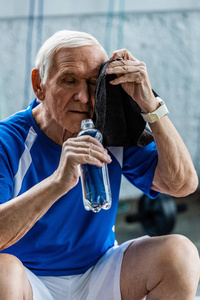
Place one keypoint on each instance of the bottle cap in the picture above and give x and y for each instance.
(87, 123)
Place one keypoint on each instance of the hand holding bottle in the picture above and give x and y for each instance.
(75, 151)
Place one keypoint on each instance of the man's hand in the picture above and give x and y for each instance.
(132, 75)
(75, 151)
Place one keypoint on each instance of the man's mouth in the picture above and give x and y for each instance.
(79, 111)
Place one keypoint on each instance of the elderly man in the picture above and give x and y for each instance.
(51, 247)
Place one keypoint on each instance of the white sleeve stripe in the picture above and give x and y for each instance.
(118, 154)
(24, 162)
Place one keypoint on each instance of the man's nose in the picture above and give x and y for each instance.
(82, 93)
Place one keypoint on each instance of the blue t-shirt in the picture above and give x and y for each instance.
(68, 239)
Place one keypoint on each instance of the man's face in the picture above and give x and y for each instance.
(70, 86)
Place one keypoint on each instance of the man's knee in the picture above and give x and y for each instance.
(178, 248)
(180, 256)
(14, 283)
(152, 265)
(10, 265)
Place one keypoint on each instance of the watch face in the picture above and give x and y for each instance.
(154, 117)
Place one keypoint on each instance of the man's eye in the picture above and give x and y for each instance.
(69, 80)
(92, 83)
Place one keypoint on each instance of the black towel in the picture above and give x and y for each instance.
(117, 116)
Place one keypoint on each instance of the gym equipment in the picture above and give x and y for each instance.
(158, 216)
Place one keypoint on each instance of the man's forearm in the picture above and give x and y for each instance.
(18, 215)
(175, 173)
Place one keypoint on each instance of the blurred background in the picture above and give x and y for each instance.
(163, 34)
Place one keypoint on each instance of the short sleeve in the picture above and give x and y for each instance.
(6, 177)
(139, 165)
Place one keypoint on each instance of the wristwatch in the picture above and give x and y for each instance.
(156, 114)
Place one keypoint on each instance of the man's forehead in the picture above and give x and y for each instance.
(80, 58)
(93, 53)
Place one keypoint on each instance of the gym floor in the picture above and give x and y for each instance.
(187, 222)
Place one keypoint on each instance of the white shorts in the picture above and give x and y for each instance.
(102, 281)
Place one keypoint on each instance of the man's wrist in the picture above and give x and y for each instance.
(156, 114)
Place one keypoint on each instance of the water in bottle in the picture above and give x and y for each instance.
(95, 180)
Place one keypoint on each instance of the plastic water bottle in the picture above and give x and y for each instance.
(95, 180)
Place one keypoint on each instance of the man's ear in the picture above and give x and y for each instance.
(36, 83)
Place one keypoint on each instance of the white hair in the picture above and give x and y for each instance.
(61, 39)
